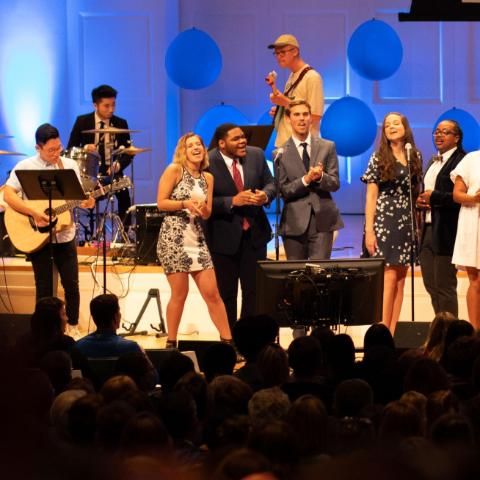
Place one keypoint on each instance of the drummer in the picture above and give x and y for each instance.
(104, 100)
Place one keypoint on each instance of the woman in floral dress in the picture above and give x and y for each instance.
(185, 193)
(388, 230)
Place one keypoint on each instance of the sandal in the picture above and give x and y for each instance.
(171, 344)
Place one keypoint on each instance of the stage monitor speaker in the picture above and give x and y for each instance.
(12, 326)
(148, 222)
(411, 334)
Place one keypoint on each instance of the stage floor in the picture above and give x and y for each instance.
(132, 283)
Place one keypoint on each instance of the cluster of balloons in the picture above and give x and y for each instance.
(194, 61)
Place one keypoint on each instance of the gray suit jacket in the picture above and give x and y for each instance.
(299, 200)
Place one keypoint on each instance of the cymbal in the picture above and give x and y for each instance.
(110, 130)
(132, 150)
(6, 152)
(4, 135)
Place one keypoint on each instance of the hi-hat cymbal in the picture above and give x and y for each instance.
(132, 150)
(110, 130)
(6, 152)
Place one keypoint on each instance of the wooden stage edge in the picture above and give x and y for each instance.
(131, 283)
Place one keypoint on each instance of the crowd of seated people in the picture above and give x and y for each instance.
(311, 411)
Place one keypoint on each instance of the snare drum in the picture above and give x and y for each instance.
(87, 163)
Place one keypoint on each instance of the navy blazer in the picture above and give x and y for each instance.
(87, 122)
(224, 228)
(444, 210)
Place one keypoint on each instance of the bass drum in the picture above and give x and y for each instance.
(87, 163)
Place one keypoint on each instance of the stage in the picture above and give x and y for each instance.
(132, 283)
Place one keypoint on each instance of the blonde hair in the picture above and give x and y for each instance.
(180, 155)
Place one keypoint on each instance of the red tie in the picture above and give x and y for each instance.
(237, 179)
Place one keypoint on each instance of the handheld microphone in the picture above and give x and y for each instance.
(278, 154)
(408, 149)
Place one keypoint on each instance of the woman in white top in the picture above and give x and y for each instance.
(466, 253)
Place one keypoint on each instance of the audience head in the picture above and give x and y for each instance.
(400, 420)
(227, 396)
(352, 398)
(241, 463)
(251, 334)
(48, 321)
(219, 359)
(137, 366)
(434, 344)
(82, 419)
(115, 387)
(111, 421)
(272, 362)
(305, 357)
(308, 419)
(60, 408)
(267, 405)
(195, 384)
(440, 403)
(341, 356)
(452, 430)
(173, 368)
(426, 376)
(105, 311)
(145, 433)
(58, 366)
(378, 335)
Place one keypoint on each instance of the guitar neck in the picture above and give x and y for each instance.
(71, 204)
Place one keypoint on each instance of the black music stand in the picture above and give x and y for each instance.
(257, 136)
(51, 185)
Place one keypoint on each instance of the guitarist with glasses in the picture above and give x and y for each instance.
(49, 148)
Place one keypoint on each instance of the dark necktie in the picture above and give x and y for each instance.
(237, 179)
(305, 156)
(101, 142)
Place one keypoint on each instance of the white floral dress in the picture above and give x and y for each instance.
(392, 214)
(181, 243)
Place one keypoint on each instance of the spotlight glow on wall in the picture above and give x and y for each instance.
(28, 80)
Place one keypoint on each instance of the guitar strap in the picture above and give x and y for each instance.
(280, 110)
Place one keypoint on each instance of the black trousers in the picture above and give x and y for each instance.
(66, 262)
(439, 276)
(241, 266)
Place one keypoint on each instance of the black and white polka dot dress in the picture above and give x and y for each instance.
(392, 214)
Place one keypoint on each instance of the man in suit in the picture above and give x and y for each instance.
(238, 230)
(104, 102)
(441, 217)
(308, 172)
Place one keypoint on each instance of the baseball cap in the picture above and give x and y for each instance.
(285, 39)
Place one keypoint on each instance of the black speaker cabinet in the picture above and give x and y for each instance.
(197, 346)
(148, 222)
(410, 334)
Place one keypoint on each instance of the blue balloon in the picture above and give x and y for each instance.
(349, 123)
(468, 124)
(193, 60)
(375, 51)
(214, 117)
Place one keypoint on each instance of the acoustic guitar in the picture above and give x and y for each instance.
(28, 237)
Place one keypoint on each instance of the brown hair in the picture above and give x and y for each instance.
(296, 103)
(180, 155)
(386, 158)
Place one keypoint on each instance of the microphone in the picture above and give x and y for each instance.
(278, 154)
(118, 150)
(408, 149)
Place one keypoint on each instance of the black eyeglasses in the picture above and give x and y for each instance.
(443, 133)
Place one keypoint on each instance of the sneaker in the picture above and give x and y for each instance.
(74, 332)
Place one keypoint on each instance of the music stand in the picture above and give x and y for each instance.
(51, 185)
(256, 135)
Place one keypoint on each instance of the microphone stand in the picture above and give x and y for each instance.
(276, 171)
(413, 223)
